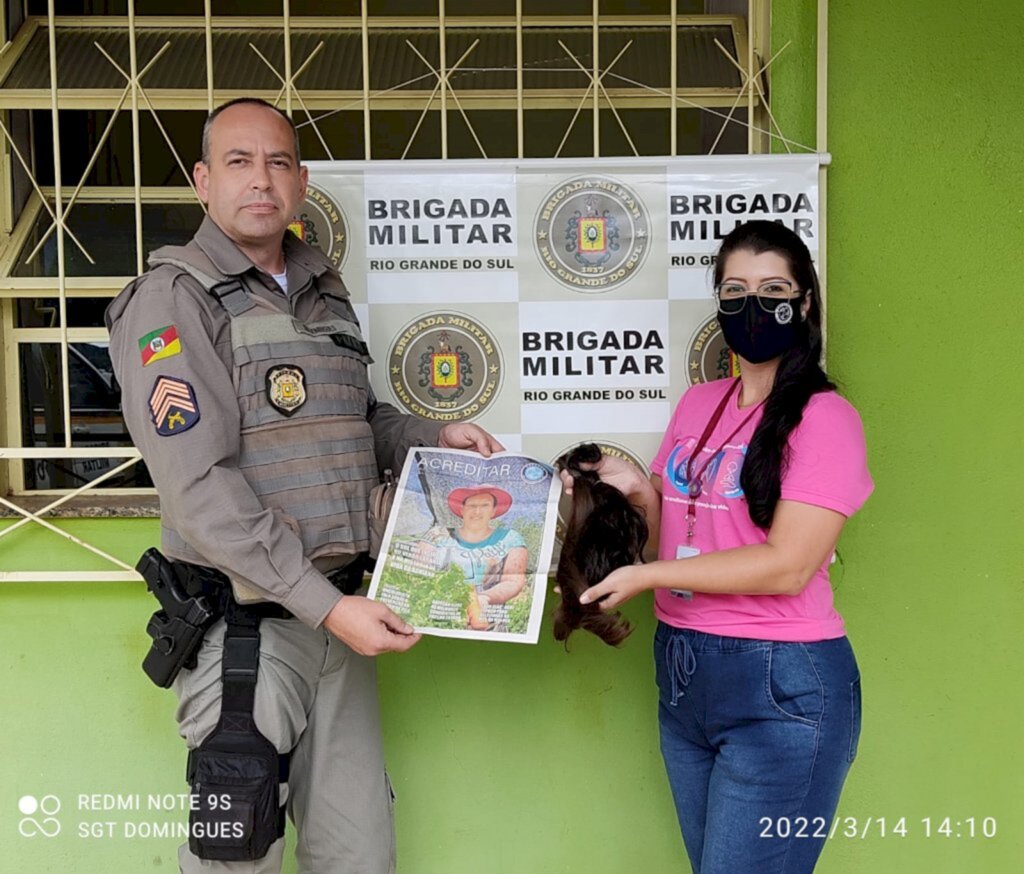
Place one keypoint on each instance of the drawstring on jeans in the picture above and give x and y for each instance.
(682, 665)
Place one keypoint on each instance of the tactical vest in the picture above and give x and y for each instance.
(307, 450)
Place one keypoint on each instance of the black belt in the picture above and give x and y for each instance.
(349, 579)
(198, 579)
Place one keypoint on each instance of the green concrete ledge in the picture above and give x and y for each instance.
(89, 507)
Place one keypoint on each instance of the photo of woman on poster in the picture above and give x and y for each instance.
(493, 558)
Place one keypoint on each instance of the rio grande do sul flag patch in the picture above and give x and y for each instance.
(161, 343)
(173, 406)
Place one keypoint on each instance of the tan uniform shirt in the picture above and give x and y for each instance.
(204, 497)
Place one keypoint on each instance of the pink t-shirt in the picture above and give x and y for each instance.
(827, 468)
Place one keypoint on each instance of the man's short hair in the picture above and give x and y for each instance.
(253, 101)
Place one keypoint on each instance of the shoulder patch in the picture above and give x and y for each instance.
(173, 406)
(161, 343)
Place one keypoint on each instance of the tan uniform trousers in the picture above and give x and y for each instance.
(317, 698)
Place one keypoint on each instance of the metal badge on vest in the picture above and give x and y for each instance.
(307, 449)
(286, 387)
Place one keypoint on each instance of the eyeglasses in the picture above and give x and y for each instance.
(732, 297)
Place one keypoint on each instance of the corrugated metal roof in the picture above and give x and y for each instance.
(338, 66)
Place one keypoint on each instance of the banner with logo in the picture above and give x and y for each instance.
(551, 301)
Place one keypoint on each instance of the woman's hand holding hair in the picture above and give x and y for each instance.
(800, 541)
(617, 588)
(616, 472)
(642, 493)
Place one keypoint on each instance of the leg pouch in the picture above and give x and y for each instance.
(236, 810)
(235, 773)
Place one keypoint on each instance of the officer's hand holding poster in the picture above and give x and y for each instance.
(468, 544)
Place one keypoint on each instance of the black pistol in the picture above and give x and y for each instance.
(178, 627)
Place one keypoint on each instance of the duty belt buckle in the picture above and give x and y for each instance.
(241, 658)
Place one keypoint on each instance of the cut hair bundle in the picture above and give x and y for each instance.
(604, 532)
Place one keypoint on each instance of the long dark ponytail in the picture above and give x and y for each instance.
(799, 376)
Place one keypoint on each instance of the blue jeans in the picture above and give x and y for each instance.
(757, 739)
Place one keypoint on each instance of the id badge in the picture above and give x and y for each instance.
(684, 552)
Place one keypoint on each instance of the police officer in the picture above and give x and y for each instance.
(244, 380)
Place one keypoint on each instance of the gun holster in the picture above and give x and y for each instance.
(235, 773)
(192, 598)
(179, 626)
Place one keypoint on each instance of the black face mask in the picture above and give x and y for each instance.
(758, 336)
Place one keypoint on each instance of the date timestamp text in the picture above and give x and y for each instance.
(864, 827)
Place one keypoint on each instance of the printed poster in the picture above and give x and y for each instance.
(469, 542)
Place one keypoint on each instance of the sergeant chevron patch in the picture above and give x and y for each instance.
(173, 406)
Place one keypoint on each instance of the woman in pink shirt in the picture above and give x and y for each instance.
(759, 690)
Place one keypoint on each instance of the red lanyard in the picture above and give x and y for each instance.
(695, 478)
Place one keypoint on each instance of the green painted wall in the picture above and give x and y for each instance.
(925, 231)
(513, 759)
(505, 758)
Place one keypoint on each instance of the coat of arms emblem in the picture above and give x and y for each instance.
(286, 387)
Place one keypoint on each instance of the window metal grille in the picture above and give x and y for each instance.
(83, 98)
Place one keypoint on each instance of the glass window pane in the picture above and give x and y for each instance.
(81, 131)
(648, 129)
(107, 230)
(45, 312)
(341, 8)
(698, 130)
(342, 129)
(96, 419)
(649, 7)
(391, 131)
(477, 9)
(562, 9)
(495, 128)
(219, 7)
(544, 129)
(402, 7)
